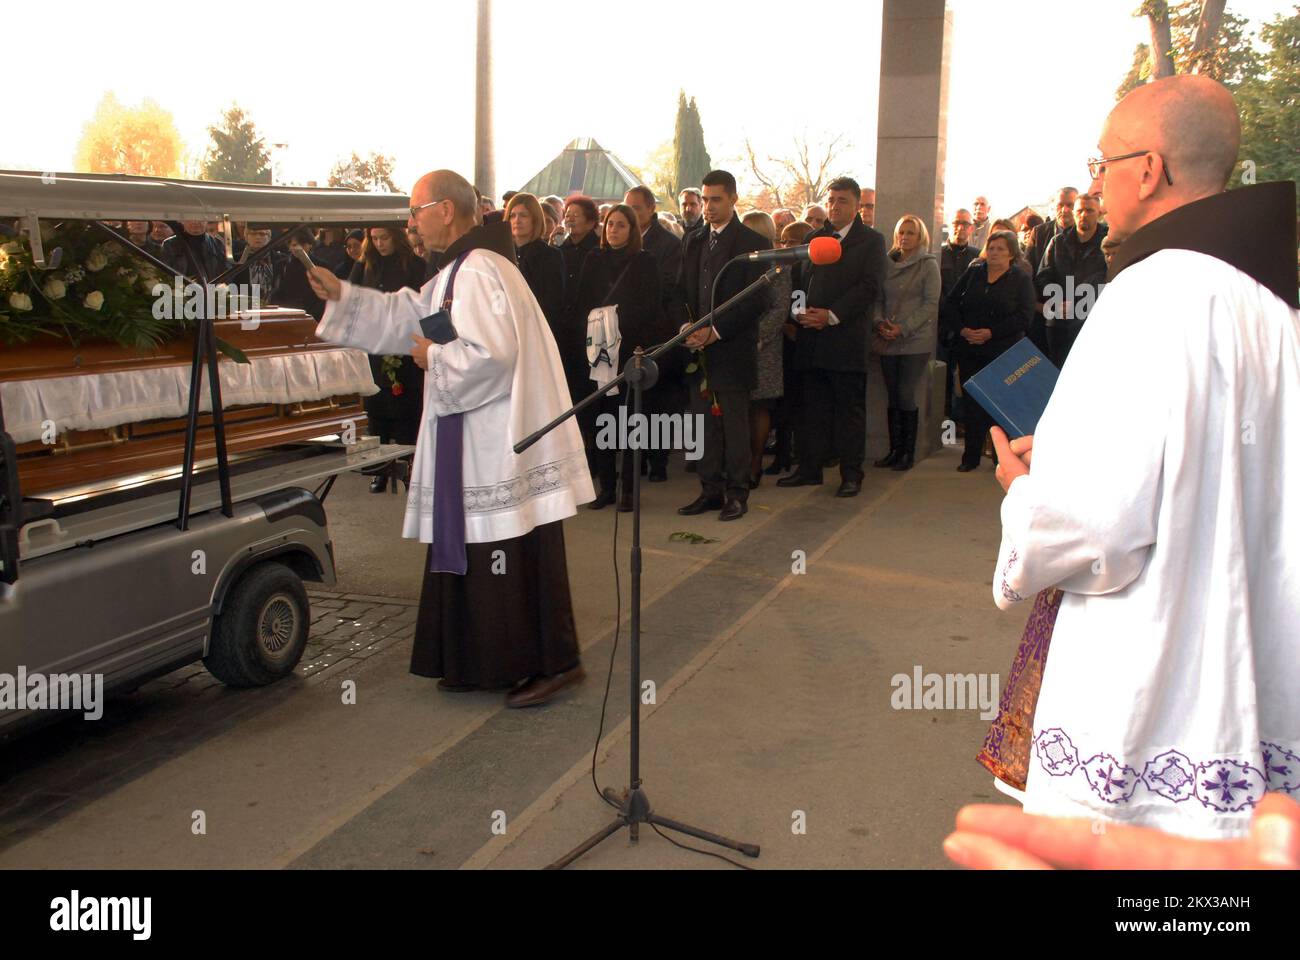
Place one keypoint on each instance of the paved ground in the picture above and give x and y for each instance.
(772, 719)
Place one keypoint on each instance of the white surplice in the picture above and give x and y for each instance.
(1164, 499)
(503, 373)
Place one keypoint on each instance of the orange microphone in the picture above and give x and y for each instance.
(821, 251)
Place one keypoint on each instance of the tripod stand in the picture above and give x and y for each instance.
(634, 807)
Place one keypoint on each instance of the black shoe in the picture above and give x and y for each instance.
(965, 467)
(658, 476)
(776, 469)
(701, 504)
(849, 488)
(603, 500)
(799, 480)
(907, 420)
(379, 484)
(734, 510)
(895, 438)
(755, 480)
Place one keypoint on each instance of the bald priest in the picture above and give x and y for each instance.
(495, 609)
(1161, 497)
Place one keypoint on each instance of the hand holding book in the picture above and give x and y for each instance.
(1013, 456)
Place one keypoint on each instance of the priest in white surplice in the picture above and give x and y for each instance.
(1164, 497)
(495, 610)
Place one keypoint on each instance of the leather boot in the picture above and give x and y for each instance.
(907, 442)
(895, 439)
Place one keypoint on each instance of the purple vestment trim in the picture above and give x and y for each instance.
(448, 549)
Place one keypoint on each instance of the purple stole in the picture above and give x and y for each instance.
(1008, 744)
(447, 552)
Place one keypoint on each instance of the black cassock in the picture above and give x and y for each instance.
(490, 629)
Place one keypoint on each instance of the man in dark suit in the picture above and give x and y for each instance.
(1042, 237)
(667, 251)
(728, 349)
(831, 346)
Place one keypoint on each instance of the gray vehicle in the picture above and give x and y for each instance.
(129, 579)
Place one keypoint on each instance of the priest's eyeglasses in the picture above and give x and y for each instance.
(1097, 165)
(416, 210)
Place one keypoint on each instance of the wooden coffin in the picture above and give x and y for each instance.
(81, 457)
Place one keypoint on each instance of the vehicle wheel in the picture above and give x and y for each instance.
(262, 630)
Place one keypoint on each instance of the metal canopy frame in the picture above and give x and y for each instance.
(99, 197)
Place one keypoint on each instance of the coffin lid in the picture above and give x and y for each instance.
(119, 196)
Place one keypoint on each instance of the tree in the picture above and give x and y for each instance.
(1270, 105)
(798, 178)
(373, 174)
(118, 139)
(1195, 36)
(690, 157)
(659, 174)
(237, 154)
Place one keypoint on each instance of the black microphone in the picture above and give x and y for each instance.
(821, 251)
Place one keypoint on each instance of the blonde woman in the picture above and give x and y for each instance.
(907, 333)
(541, 264)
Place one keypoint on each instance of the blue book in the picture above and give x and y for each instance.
(1015, 388)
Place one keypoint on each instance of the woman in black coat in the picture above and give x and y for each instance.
(988, 310)
(541, 264)
(387, 264)
(618, 273)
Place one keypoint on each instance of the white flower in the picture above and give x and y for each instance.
(54, 289)
(20, 301)
(96, 261)
(94, 300)
(73, 274)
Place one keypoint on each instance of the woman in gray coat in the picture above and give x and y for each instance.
(906, 333)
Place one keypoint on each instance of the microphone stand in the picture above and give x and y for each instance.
(641, 373)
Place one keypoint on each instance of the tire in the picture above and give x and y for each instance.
(262, 630)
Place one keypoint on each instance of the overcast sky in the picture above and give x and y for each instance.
(328, 78)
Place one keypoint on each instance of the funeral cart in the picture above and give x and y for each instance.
(166, 440)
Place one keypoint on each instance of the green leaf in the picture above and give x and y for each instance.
(684, 537)
(232, 351)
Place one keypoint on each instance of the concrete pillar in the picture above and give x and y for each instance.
(484, 165)
(911, 149)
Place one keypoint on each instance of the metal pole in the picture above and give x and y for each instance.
(484, 167)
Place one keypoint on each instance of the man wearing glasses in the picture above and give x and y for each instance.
(495, 610)
(1157, 500)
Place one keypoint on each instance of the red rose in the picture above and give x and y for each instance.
(716, 410)
(397, 389)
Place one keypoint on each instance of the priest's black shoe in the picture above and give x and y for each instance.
(541, 689)
(965, 467)
(799, 480)
(849, 488)
(734, 510)
(701, 504)
(603, 499)
(379, 483)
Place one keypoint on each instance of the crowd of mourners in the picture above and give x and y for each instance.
(781, 373)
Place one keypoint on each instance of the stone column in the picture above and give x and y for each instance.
(911, 149)
(484, 166)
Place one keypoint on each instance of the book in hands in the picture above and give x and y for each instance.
(1015, 388)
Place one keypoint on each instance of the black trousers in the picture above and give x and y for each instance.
(834, 422)
(1060, 340)
(724, 460)
(974, 418)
